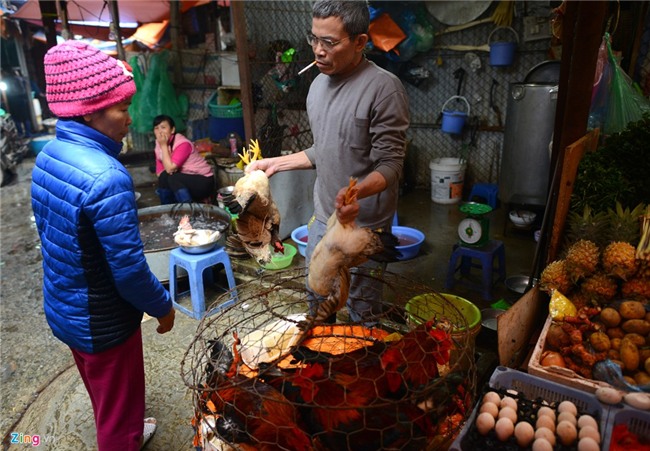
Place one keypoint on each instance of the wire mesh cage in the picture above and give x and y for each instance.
(264, 376)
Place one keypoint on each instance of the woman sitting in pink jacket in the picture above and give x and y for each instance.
(183, 174)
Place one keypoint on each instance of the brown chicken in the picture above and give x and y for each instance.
(345, 246)
(250, 413)
(371, 390)
(258, 221)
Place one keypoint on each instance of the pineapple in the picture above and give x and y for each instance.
(588, 226)
(619, 260)
(637, 288)
(580, 300)
(624, 224)
(644, 269)
(555, 277)
(599, 287)
(582, 259)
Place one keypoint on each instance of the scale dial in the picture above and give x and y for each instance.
(470, 230)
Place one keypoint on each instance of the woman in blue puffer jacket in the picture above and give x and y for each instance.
(96, 281)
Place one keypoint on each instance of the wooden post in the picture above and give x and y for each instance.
(245, 79)
(48, 16)
(115, 18)
(62, 6)
(174, 26)
(582, 33)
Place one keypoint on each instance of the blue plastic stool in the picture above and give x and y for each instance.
(195, 264)
(485, 255)
(487, 191)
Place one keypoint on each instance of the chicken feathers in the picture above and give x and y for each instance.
(258, 221)
(250, 413)
(338, 396)
(345, 246)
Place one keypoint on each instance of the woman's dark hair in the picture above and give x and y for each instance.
(354, 14)
(163, 118)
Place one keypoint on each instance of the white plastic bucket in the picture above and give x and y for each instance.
(447, 177)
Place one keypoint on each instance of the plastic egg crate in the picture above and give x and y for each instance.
(531, 393)
(636, 421)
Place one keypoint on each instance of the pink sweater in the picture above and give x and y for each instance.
(188, 160)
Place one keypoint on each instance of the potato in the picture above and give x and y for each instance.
(610, 317)
(615, 343)
(556, 337)
(630, 380)
(646, 365)
(647, 316)
(632, 310)
(629, 355)
(600, 341)
(613, 354)
(638, 340)
(644, 353)
(636, 326)
(615, 332)
(641, 378)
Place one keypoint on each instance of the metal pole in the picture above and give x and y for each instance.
(115, 18)
(174, 19)
(48, 17)
(245, 77)
(62, 6)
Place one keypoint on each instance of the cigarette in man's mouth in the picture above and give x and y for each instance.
(306, 68)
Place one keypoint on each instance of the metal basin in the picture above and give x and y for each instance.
(517, 284)
(158, 224)
(489, 318)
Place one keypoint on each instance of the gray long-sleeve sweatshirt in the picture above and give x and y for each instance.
(359, 124)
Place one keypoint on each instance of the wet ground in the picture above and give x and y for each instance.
(42, 393)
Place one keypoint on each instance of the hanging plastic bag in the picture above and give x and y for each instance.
(135, 110)
(156, 95)
(385, 33)
(168, 102)
(560, 306)
(615, 102)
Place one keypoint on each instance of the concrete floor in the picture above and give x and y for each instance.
(42, 391)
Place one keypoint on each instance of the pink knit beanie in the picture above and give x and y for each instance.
(81, 79)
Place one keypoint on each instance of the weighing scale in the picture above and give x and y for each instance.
(474, 230)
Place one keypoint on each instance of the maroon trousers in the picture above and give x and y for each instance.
(115, 382)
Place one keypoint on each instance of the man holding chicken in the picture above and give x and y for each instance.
(358, 115)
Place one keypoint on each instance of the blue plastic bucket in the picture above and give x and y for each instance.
(502, 53)
(38, 142)
(454, 121)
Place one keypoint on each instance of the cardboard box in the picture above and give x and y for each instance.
(561, 375)
(515, 327)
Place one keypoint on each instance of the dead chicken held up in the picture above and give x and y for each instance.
(258, 222)
(345, 246)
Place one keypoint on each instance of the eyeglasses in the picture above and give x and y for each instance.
(327, 44)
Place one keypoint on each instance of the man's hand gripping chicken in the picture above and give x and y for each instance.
(258, 223)
(344, 246)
